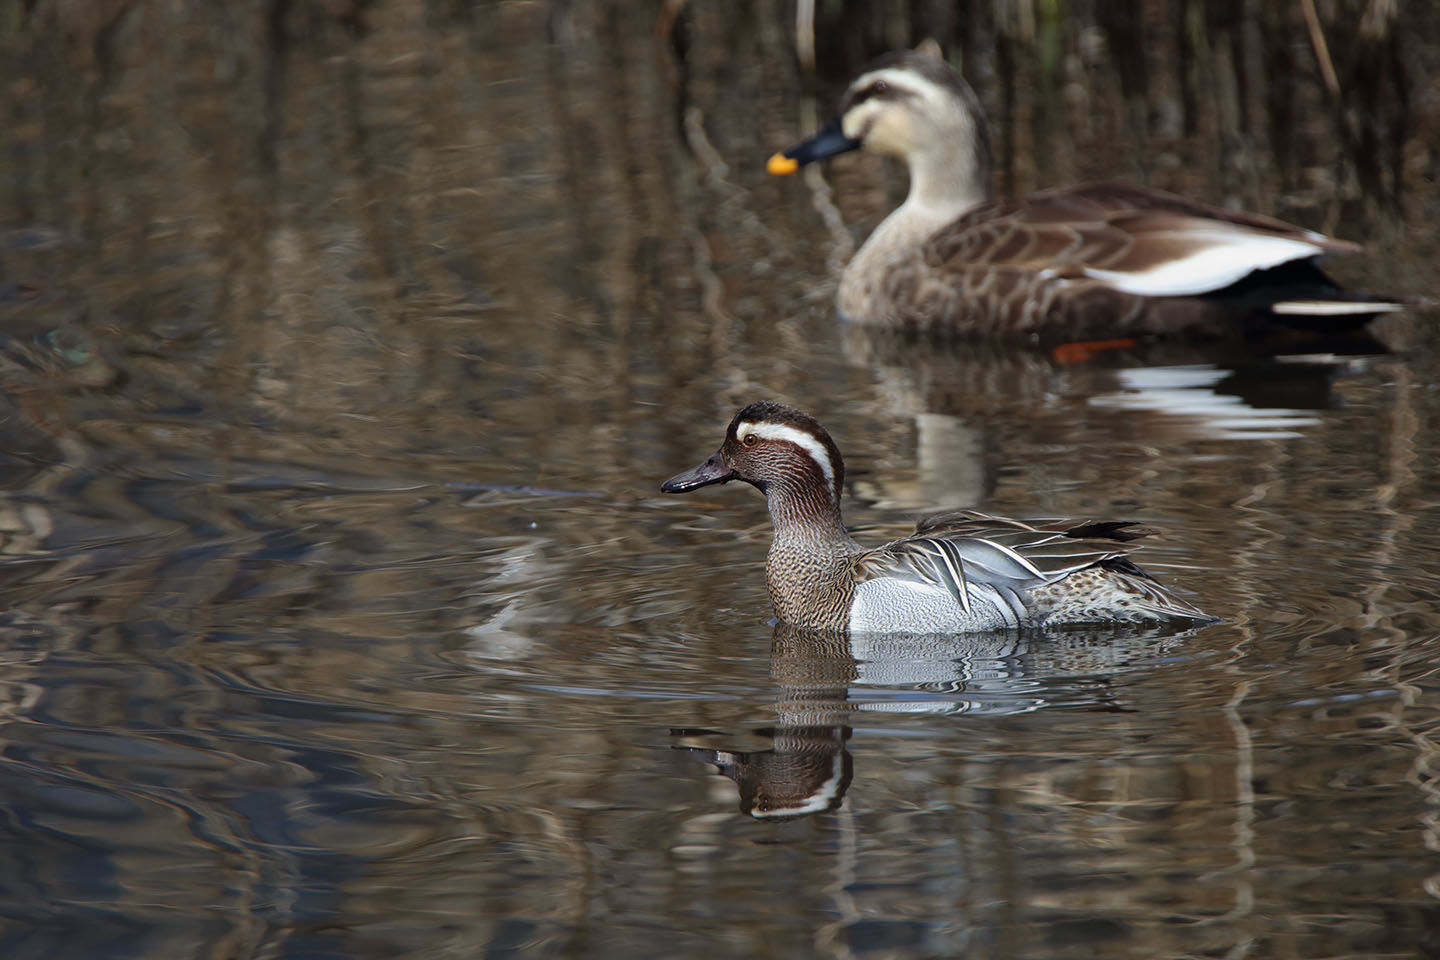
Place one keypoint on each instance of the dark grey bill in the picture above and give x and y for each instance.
(711, 471)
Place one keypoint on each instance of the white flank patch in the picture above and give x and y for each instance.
(1332, 308)
(1232, 255)
(891, 605)
(801, 439)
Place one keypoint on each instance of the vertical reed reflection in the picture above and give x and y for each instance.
(342, 344)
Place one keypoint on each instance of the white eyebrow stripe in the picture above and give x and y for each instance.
(904, 81)
(805, 441)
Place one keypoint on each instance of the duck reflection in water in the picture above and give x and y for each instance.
(826, 677)
(808, 768)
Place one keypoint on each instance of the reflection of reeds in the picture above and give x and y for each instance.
(293, 206)
(1322, 49)
(523, 243)
(1241, 78)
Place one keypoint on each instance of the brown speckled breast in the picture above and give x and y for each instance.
(809, 588)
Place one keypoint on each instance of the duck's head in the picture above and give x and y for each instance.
(914, 107)
(774, 447)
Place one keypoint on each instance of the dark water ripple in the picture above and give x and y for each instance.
(270, 773)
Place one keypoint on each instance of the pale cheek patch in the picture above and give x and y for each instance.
(889, 135)
(857, 121)
(801, 439)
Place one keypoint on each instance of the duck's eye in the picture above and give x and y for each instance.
(750, 440)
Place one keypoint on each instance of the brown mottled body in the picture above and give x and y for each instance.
(1019, 268)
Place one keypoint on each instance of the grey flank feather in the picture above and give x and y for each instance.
(949, 555)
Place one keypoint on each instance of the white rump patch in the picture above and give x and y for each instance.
(1231, 255)
(805, 441)
(1333, 308)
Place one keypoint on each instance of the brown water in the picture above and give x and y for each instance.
(343, 347)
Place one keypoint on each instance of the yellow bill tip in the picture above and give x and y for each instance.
(781, 166)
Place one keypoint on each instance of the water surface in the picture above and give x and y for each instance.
(344, 348)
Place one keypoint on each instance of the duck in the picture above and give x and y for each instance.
(960, 571)
(1088, 263)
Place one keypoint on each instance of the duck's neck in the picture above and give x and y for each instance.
(942, 188)
(809, 518)
(948, 181)
(808, 569)
(944, 183)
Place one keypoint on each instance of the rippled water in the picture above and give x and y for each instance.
(342, 351)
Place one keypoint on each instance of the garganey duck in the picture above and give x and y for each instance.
(1096, 261)
(958, 572)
